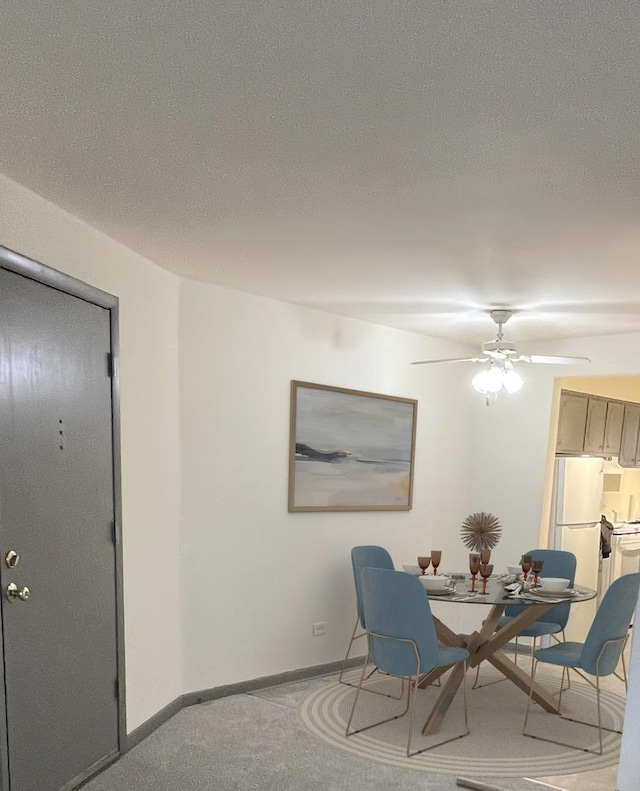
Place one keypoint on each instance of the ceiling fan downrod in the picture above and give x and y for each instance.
(501, 317)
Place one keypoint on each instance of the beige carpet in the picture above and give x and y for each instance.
(496, 746)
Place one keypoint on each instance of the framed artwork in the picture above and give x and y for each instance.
(350, 450)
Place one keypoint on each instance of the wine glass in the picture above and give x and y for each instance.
(424, 561)
(536, 567)
(436, 556)
(485, 555)
(525, 565)
(474, 568)
(486, 570)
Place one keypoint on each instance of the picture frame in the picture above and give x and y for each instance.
(350, 450)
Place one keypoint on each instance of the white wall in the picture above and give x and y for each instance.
(509, 444)
(255, 577)
(150, 439)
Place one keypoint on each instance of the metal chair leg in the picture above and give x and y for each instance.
(497, 680)
(599, 713)
(466, 720)
(355, 637)
(564, 640)
(344, 664)
(533, 678)
(412, 683)
(624, 666)
(488, 684)
(411, 702)
(564, 669)
(464, 699)
(381, 722)
(599, 726)
(533, 650)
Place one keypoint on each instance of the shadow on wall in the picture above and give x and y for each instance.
(333, 332)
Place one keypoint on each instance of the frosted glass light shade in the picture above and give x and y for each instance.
(488, 380)
(492, 379)
(512, 381)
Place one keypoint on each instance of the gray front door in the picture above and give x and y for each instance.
(56, 513)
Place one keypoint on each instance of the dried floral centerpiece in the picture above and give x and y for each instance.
(481, 531)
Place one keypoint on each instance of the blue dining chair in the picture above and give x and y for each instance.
(402, 641)
(599, 654)
(557, 563)
(368, 556)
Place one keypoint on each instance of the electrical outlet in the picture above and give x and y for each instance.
(319, 628)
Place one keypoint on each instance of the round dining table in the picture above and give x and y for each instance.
(486, 643)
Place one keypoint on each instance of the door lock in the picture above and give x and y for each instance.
(14, 592)
(12, 559)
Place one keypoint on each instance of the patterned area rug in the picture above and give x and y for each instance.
(495, 747)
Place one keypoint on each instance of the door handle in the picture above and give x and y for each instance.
(13, 592)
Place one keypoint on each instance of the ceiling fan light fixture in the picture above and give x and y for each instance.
(489, 380)
(496, 377)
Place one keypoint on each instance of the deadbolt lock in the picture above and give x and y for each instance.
(12, 558)
(14, 592)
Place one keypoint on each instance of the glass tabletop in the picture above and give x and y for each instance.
(496, 593)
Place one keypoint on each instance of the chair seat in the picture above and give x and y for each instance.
(564, 654)
(536, 629)
(450, 655)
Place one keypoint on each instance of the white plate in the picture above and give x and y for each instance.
(565, 594)
(445, 592)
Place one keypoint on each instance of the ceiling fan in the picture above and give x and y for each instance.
(500, 356)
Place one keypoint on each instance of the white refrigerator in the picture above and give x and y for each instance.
(575, 513)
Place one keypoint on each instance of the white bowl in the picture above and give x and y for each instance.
(433, 583)
(553, 584)
(415, 570)
(514, 570)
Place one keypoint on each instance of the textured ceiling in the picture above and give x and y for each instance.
(408, 163)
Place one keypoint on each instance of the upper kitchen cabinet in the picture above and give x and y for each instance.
(629, 456)
(596, 425)
(589, 424)
(613, 428)
(572, 422)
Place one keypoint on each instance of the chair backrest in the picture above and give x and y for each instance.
(611, 623)
(395, 604)
(557, 563)
(367, 557)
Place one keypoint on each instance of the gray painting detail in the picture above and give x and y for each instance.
(352, 450)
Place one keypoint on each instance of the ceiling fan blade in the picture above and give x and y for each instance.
(551, 359)
(453, 360)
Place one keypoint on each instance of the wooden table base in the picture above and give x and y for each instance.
(485, 645)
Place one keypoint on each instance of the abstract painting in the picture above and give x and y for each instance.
(350, 450)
